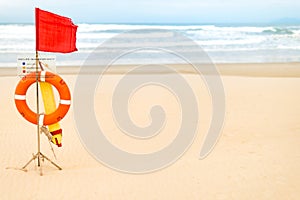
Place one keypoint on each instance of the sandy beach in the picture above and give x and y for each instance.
(256, 157)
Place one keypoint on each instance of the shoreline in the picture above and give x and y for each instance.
(234, 69)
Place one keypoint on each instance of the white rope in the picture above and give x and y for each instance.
(65, 102)
(41, 119)
(43, 76)
(20, 97)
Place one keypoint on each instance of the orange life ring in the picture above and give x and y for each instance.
(58, 83)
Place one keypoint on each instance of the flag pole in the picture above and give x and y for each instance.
(37, 86)
(37, 106)
(39, 154)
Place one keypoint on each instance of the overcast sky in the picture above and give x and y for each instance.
(154, 11)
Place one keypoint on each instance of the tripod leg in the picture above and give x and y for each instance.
(38, 161)
(58, 167)
(40, 164)
(32, 159)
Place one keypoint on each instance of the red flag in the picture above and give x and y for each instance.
(54, 33)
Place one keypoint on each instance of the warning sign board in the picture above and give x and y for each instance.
(26, 63)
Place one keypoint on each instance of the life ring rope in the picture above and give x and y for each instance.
(20, 97)
(41, 119)
(65, 102)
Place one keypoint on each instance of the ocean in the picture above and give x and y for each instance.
(222, 43)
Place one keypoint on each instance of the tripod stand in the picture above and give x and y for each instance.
(39, 155)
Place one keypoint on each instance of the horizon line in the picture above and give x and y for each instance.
(278, 22)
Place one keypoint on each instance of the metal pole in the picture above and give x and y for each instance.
(37, 105)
